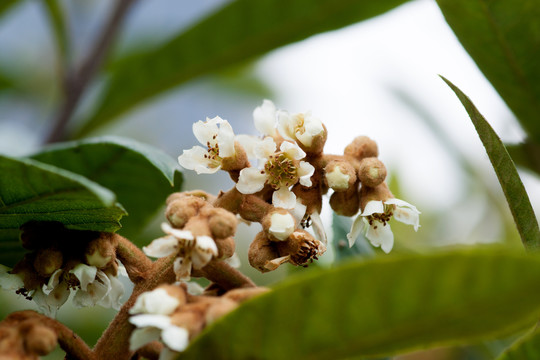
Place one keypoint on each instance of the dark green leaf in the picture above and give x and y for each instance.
(381, 307)
(6, 5)
(141, 176)
(513, 189)
(31, 190)
(240, 31)
(527, 347)
(503, 38)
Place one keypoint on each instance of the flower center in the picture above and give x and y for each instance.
(281, 171)
(380, 218)
(299, 127)
(212, 154)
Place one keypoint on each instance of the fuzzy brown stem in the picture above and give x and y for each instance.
(114, 342)
(224, 275)
(137, 264)
(70, 342)
(151, 350)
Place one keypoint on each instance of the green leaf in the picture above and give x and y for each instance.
(240, 31)
(503, 38)
(141, 176)
(58, 26)
(513, 188)
(381, 307)
(31, 190)
(527, 347)
(6, 5)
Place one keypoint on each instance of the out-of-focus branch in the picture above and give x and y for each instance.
(78, 80)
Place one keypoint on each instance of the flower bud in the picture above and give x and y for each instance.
(47, 261)
(242, 294)
(190, 318)
(371, 172)
(100, 252)
(220, 308)
(182, 209)
(346, 203)
(261, 251)
(362, 147)
(301, 247)
(39, 339)
(236, 162)
(316, 146)
(222, 223)
(279, 224)
(225, 247)
(378, 193)
(339, 175)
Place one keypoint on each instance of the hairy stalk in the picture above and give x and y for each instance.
(78, 80)
(70, 342)
(224, 275)
(114, 342)
(137, 264)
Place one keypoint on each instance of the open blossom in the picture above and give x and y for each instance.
(299, 127)
(264, 117)
(279, 169)
(219, 142)
(196, 251)
(374, 222)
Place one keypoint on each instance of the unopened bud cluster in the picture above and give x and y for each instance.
(62, 261)
(173, 316)
(284, 190)
(25, 339)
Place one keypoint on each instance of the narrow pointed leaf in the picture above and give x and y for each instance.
(31, 190)
(503, 38)
(511, 184)
(141, 176)
(381, 307)
(527, 347)
(240, 31)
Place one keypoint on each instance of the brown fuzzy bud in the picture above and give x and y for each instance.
(317, 143)
(339, 175)
(225, 247)
(182, 209)
(219, 309)
(242, 294)
(39, 339)
(11, 343)
(378, 193)
(301, 247)
(279, 224)
(311, 197)
(175, 291)
(222, 223)
(261, 251)
(192, 321)
(371, 172)
(101, 252)
(25, 269)
(236, 162)
(252, 208)
(346, 203)
(362, 147)
(48, 261)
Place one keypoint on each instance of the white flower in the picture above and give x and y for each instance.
(191, 250)
(374, 221)
(157, 301)
(281, 225)
(219, 142)
(10, 281)
(264, 117)
(280, 170)
(299, 127)
(152, 327)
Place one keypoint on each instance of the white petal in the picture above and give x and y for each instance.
(141, 337)
(10, 281)
(286, 124)
(182, 268)
(85, 273)
(205, 131)
(292, 150)
(373, 207)
(54, 280)
(251, 180)
(176, 338)
(336, 179)
(233, 261)
(112, 300)
(401, 203)
(168, 354)
(162, 247)
(249, 143)
(193, 159)
(266, 147)
(312, 127)
(94, 293)
(380, 236)
(356, 229)
(284, 198)
(59, 295)
(298, 212)
(318, 228)
(225, 139)
(305, 171)
(205, 249)
(194, 288)
(157, 321)
(179, 234)
(407, 216)
(157, 301)
(42, 302)
(264, 117)
(281, 225)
